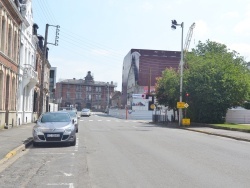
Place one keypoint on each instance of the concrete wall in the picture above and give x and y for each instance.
(137, 115)
(238, 115)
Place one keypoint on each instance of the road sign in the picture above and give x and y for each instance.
(181, 104)
(185, 121)
(186, 105)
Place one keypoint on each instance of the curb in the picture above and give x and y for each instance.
(222, 135)
(17, 150)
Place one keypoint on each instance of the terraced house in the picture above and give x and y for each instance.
(10, 24)
(21, 59)
(28, 76)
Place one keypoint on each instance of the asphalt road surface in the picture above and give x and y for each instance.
(116, 153)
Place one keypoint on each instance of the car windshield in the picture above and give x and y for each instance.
(85, 110)
(72, 113)
(55, 117)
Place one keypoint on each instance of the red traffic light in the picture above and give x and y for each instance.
(187, 94)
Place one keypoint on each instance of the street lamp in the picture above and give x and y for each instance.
(174, 24)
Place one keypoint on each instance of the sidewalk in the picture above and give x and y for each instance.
(206, 129)
(14, 140)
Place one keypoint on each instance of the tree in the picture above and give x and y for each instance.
(217, 79)
(167, 89)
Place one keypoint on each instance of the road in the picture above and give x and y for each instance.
(115, 153)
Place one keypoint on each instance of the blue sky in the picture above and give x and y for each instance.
(95, 35)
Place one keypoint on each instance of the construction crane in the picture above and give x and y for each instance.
(188, 38)
(187, 42)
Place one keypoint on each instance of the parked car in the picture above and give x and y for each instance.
(73, 116)
(54, 127)
(85, 112)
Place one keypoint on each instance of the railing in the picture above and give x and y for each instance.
(29, 72)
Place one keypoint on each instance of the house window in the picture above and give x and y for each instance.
(98, 89)
(68, 95)
(3, 34)
(88, 88)
(78, 95)
(10, 42)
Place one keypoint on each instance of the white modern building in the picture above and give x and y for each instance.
(28, 76)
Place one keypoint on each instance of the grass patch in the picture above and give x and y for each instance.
(234, 126)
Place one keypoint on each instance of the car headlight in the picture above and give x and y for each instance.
(38, 130)
(69, 129)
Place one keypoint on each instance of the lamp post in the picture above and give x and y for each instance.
(174, 24)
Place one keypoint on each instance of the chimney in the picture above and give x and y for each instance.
(40, 43)
(47, 53)
(35, 27)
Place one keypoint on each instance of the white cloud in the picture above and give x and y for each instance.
(242, 48)
(243, 27)
(201, 29)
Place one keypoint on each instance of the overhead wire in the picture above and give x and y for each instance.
(79, 42)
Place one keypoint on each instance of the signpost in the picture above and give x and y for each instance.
(185, 121)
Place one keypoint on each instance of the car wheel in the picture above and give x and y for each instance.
(73, 143)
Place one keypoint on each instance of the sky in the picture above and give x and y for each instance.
(96, 35)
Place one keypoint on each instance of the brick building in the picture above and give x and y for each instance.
(142, 67)
(10, 24)
(84, 93)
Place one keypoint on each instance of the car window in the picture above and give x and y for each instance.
(85, 110)
(62, 117)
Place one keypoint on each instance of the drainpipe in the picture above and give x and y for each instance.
(18, 75)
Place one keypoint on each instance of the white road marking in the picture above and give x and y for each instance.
(50, 153)
(81, 120)
(71, 185)
(67, 174)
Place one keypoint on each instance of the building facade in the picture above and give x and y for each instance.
(52, 84)
(28, 76)
(10, 25)
(142, 67)
(84, 93)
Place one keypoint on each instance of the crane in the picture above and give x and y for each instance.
(188, 38)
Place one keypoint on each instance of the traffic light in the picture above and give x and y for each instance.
(187, 96)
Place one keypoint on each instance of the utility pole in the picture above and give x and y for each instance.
(108, 93)
(43, 71)
(41, 102)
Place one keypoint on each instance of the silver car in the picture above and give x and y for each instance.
(73, 116)
(86, 112)
(54, 127)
